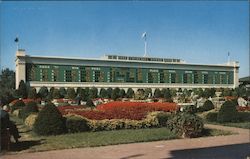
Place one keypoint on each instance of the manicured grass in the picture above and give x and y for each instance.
(90, 139)
(30, 142)
(244, 125)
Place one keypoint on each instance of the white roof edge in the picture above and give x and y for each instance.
(231, 64)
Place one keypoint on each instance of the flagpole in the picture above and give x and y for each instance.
(145, 45)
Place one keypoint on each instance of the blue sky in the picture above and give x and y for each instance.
(197, 32)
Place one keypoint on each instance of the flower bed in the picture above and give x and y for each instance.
(242, 109)
(27, 100)
(119, 110)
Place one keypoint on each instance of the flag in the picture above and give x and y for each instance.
(144, 35)
(228, 54)
(16, 40)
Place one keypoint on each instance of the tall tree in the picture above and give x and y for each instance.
(43, 92)
(71, 94)
(32, 93)
(7, 86)
(130, 93)
(22, 89)
(103, 93)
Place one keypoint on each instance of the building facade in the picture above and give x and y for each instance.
(123, 72)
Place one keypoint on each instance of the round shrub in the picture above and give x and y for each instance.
(49, 121)
(227, 113)
(186, 124)
(76, 124)
(211, 116)
(18, 105)
(30, 120)
(163, 118)
(189, 109)
(90, 103)
(208, 105)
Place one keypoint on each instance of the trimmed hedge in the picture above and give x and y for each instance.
(186, 124)
(163, 118)
(18, 105)
(211, 116)
(244, 116)
(49, 121)
(208, 105)
(76, 124)
(227, 113)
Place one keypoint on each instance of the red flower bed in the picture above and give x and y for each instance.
(27, 100)
(242, 109)
(156, 106)
(119, 110)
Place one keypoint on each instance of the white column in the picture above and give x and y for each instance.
(20, 67)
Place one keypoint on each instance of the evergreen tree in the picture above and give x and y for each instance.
(43, 92)
(109, 92)
(103, 93)
(122, 93)
(62, 92)
(56, 94)
(49, 121)
(22, 89)
(115, 93)
(93, 93)
(130, 93)
(71, 94)
(32, 93)
(157, 93)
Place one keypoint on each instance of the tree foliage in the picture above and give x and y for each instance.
(32, 93)
(7, 86)
(43, 92)
(49, 121)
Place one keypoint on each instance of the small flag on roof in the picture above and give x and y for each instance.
(16, 40)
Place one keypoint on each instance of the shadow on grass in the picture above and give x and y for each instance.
(236, 151)
(24, 145)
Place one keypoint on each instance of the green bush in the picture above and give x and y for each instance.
(90, 103)
(208, 105)
(31, 107)
(186, 124)
(244, 116)
(116, 124)
(163, 118)
(190, 109)
(18, 105)
(76, 124)
(211, 116)
(227, 113)
(49, 121)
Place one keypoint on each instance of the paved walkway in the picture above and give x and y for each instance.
(220, 147)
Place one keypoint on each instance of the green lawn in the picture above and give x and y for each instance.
(30, 142)
(244, 125)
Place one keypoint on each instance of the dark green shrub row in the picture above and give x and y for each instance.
(212, 116)
(244, 116)
(76, 124)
